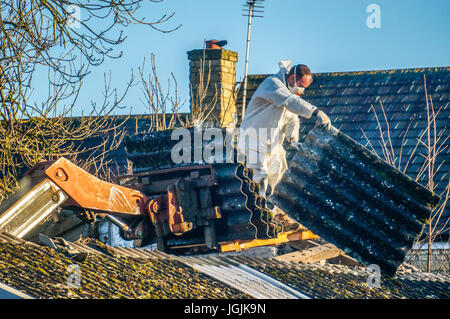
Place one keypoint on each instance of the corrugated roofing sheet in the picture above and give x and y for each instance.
(353, 199)
(241, 277)
(347, 98)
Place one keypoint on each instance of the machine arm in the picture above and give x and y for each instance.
(49, 185)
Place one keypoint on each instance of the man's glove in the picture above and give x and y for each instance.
(322, 119)
(295, 144)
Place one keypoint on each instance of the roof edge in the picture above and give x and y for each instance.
(371, 72)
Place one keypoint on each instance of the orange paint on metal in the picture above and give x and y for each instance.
(280, 239)
(211, 44)
(177, 224)
(154, 206)
(89, 192)
(158, 212)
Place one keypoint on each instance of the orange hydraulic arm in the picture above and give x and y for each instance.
(89, 192)
(49, 185)
(62, 183)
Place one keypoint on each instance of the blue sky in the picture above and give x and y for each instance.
(327, 35)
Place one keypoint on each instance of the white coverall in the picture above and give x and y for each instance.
(273, 115)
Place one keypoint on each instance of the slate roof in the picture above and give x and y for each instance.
(111, 272)
(347, 98)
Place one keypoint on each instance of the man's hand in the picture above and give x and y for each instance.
(294, 144)
(323, 120)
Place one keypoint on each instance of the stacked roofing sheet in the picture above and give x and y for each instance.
(351, 198)
(243, 210)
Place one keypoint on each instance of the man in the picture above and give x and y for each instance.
(272, 116)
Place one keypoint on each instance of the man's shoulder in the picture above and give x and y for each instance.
(273, 78)
(272, 82)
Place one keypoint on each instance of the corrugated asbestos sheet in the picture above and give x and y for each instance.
(243, 210)
(353, 199)
(348, 97)
(143, 269)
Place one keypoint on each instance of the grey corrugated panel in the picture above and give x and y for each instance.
(160, 254)
(10, 238)
(126, 252)
(242, 277)
(131, 252)
(135, 253)
(123, 252)
(443, 278)
(353, 199)
(243, 212)
(86, 248)
(4, 239)
(406, 92)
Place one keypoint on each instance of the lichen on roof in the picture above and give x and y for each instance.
(42, 272)
(341, 282)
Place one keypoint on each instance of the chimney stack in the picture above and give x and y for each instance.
(212, 83)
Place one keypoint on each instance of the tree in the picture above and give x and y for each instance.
(432, 143)
(64, 39)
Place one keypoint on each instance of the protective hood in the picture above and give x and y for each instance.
(285, 65)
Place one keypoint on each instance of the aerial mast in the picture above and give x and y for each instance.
(251, 7)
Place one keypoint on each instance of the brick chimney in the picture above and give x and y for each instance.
(218, 94)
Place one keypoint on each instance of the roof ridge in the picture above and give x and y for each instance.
(370, 72)
(387, 71)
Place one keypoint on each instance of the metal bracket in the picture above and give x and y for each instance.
(23, 212)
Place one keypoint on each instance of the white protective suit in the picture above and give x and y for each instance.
(271, 116)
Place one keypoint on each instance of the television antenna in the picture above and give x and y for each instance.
(250, 8)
